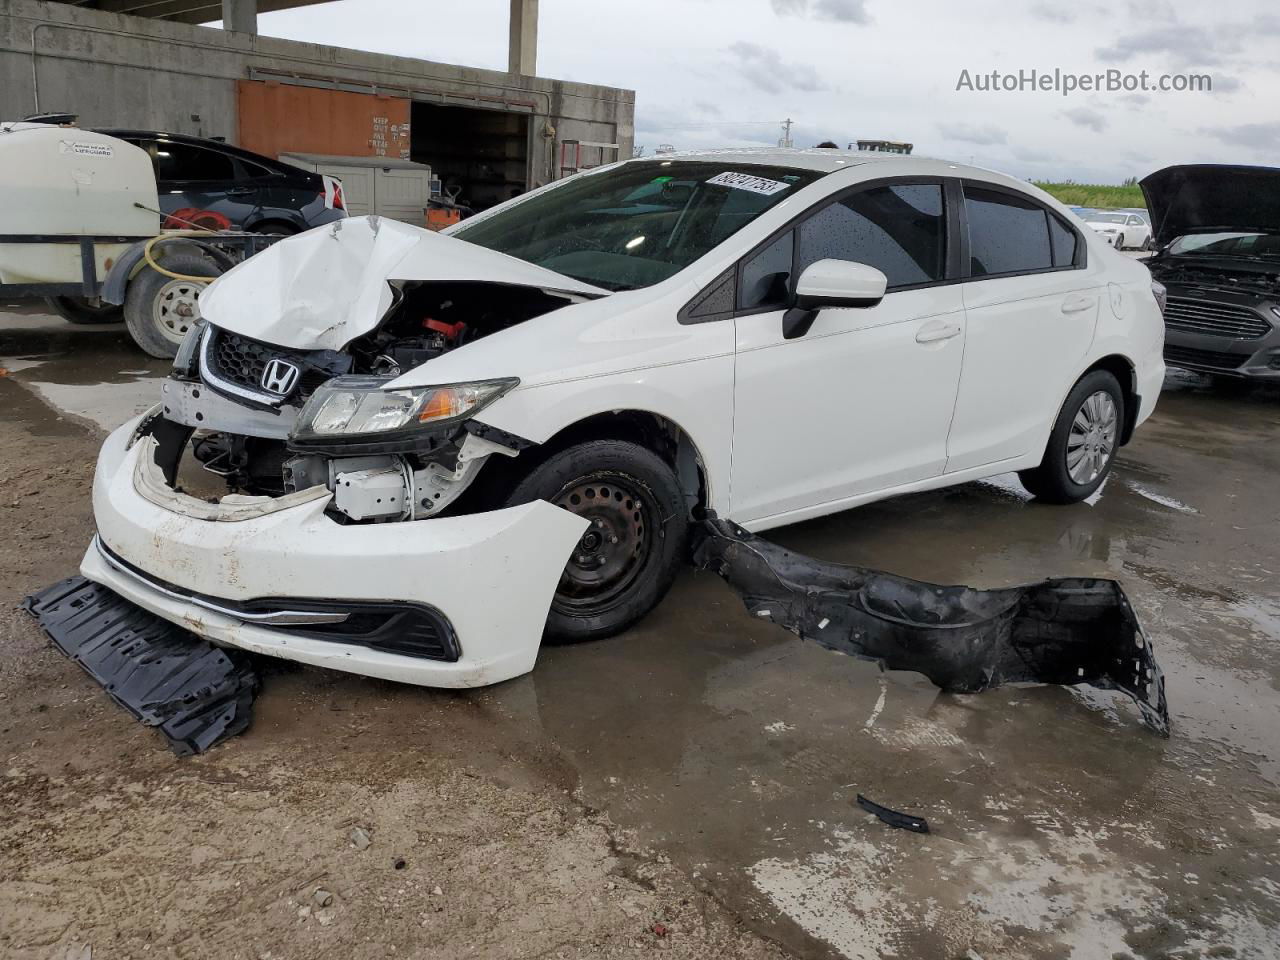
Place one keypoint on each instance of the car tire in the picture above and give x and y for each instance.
(626, 561)
(80, 311)
(1091, 420)
(158, 309)
(1120, 242)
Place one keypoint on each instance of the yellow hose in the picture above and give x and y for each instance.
(151, 262)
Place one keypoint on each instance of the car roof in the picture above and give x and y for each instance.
(827, 161)
(821, 160)
(125, 134)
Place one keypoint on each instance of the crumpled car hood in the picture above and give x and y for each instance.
(1198, 197)
(323, 288)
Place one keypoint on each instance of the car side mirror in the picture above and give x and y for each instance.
(832, 283)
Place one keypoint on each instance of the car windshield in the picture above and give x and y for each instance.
(1107, 217)
(636, 224)
(1233, 244)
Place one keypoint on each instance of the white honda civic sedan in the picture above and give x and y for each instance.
(429, 450)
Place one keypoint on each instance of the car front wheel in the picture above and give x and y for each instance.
(1083, 443)
(628, 556)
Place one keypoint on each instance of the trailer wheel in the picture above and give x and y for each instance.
(159, 310)
(80, 310)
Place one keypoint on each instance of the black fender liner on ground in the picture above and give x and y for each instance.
(167, 677)
(1066, 631)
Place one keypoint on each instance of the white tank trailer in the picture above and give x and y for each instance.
(69, 207)
(80, 226)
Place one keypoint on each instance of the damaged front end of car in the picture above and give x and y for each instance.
(291, 496)
(1063, 631)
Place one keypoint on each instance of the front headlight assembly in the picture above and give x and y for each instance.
(359, 412)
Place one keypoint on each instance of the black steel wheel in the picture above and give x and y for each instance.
(626, 559)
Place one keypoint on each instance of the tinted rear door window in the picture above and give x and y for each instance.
(255, 170)
(1007, 234)
(1064, 243)
(899, 229)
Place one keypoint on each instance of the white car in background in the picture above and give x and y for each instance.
(1121, 229)
(433, 448)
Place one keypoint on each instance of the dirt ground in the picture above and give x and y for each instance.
(688, 787)
(109, 841)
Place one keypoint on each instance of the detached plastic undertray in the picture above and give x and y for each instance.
(197, 694)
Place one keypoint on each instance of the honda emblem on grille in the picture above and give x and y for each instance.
(280, 377)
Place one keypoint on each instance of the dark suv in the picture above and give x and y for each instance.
(215, 185)
(1217, 232)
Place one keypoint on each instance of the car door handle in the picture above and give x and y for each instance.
(938, 330)
(1077, 304)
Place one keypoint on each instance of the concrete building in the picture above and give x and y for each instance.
(490, 133)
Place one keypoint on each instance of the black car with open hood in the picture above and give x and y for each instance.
(1216, 228)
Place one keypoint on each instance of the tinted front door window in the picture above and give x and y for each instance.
(180, 161)
(900, 230)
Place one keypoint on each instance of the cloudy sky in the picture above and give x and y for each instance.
(726, 72)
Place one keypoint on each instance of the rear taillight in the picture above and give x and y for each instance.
(1160, 293)
(333, 198)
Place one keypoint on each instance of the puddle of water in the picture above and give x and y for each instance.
(105, 405)
(93, 374)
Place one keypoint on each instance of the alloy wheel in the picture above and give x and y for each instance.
(1092, 438)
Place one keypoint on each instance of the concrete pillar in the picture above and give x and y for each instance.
(240, 15)
(522, 52)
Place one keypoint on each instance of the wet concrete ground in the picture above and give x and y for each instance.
(1061, 827)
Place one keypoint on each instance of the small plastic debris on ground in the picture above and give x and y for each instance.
(660, 930)
(322, 897)
(398, 863)
(902, 821)
(359, 838)
(437, 892)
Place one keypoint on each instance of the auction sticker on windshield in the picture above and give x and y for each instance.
(745, 181)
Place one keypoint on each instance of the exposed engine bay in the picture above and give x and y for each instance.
(1217, 273)
(232, 406)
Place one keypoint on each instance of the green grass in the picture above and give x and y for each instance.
(1094, 195)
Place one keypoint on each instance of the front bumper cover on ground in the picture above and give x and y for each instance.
(1067, 631)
